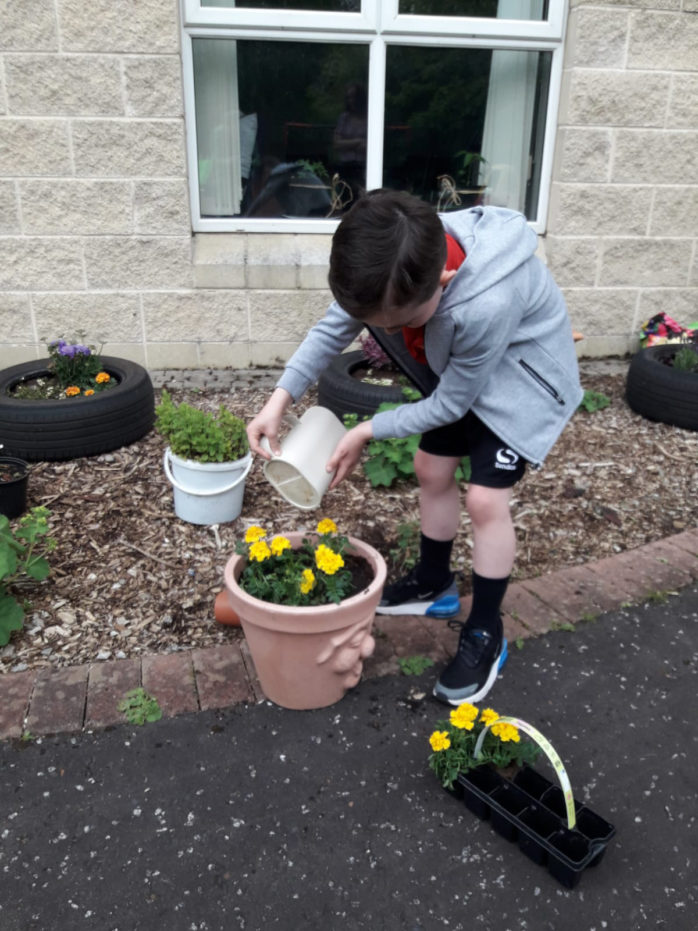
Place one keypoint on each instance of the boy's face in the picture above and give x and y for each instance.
(394, 319)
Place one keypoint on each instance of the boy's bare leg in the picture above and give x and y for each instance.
(494, 538)
(439, 501)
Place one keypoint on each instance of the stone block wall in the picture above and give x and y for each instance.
(95, 232)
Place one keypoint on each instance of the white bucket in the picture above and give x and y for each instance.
(299, 473)
(207, 492)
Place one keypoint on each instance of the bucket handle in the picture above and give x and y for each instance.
(201, 494)
(548, 750)
(288, 418)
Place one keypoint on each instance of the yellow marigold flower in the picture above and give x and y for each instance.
(259, 551)
(327, 526)
(255, 533)
(489, 716)
(505, 732)
(71, 391)
(439, 740)
(102, 377)
(327, 560)
(308, 581)
(279, 544)
(89, 392)
(464, 716)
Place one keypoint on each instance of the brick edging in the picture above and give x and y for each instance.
(75, 698)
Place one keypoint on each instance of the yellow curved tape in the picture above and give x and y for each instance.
(551, 754)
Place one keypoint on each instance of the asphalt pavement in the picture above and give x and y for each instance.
(256, 817)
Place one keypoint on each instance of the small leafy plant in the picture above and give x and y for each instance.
(414, 665)
(594, 401)
(405, 554)
(138, 707)
(201, 435)
(313, 574)
(22, 556)
(686, 358)
(453, 743)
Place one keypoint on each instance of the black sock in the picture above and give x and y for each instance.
(434, 567)
(488, 595)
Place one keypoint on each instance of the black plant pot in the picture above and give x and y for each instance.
(14, 475)
(531, 810)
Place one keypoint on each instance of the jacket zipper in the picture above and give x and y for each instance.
(542, 382)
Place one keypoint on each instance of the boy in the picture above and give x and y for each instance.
(483, 313)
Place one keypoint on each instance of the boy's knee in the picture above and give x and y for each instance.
(485, 504)
(432, 470)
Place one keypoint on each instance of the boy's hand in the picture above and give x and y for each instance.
(348, 451)
(267, 423)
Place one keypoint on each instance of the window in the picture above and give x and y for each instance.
(295, 107)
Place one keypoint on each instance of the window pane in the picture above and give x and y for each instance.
(504, 9)
(281, 127)
(465, 126)
(331, 6)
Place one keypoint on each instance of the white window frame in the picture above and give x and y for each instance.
(378, 24)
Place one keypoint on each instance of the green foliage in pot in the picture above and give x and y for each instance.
(22, 556)
(201, 435)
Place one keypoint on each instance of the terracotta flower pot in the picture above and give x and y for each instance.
(308, 657)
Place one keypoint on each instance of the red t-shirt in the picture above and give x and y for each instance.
(414, 336)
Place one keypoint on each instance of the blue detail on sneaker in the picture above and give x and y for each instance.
(448, 606)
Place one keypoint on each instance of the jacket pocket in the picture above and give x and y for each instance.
(543, 382)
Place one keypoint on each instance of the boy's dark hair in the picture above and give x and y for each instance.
(388, 251)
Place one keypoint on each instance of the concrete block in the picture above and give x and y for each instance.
(46, 85)
(169, 355)
(221, 677)
(149, 26)
(663, 40)
(681, 301)
(602, 310)
(675, 212)
(34, 148)
(169, 678)
(288, 314)
(41, 264)
(572, 260)
(9, 209)
(584, 155)
(618, 98)
(127, 148)
(683, 101)
(76, 208)
(635, 4)
(28, 26)
(15, 693)
(105, 318)
(646, 157)
(272, 261)
(141, 264)
(597, 38)
(223, 355)
(153, 86)
(15, 319)
(133, 351)
(58, 703)
(161, 208)
(584, 209)
(107, 686)
(271, 354)
(645, 262)
(195, 316)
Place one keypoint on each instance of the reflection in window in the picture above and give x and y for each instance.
(484, 8)
(341, 6)
(281, 127)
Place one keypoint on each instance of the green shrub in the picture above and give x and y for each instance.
(22, 554)
(200, 435)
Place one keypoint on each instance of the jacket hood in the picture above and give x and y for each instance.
(496, 242)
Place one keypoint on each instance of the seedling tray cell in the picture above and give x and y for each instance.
(530, 810)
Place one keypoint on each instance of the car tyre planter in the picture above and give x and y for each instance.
(660, 392)
(343, 393)
(66, 429)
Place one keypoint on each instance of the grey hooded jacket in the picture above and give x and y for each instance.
(500, 341)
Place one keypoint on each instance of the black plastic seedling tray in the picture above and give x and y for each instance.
(531, 810)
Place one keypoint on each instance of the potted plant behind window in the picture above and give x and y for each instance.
(306, 604)
(206, 462)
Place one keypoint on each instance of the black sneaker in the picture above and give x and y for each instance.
(472, 671)
(410, 596)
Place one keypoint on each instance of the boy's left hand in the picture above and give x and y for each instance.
(348, 451)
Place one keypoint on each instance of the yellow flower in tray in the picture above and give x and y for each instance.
(255, 533)
(327, 525)
(307, 581)
(506, 732)
(489, 716)
(259, 551)
(439, 741)
(464, 716)
(327, 560)
(278, 545)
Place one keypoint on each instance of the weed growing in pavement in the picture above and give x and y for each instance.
(139, 707)
(414, 665)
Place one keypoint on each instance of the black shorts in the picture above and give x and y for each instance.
(492, 462)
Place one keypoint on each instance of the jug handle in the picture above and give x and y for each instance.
(288, 418)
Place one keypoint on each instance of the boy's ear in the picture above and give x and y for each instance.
(446, 276)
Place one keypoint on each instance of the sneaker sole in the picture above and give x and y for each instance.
(445, 607)
(477, 696)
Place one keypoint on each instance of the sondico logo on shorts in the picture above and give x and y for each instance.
(506, 459)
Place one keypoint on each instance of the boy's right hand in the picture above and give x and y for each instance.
(267, 423)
